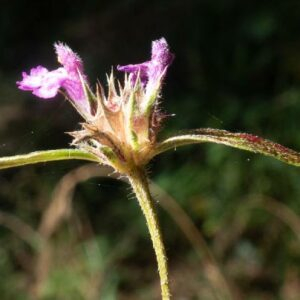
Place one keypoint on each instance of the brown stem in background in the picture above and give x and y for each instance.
(21, 229)
(58, 210)
(238, 222)
(282, 212)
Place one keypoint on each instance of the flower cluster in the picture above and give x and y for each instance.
(120, 126)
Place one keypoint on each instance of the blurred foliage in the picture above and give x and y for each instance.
(237, 67)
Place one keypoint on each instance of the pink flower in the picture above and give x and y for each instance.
(153, 71)
(45, 84)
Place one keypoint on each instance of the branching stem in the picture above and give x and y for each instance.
(139, 183)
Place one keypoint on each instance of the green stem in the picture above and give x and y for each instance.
(45, 156)
(140, 186)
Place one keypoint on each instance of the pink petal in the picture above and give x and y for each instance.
(68, 58)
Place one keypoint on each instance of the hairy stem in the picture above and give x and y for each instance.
(138, 181)
(45, 156)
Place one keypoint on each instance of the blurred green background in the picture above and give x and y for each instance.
(237, 67)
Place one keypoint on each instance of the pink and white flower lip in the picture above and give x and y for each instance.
(45, 84)
(41, 82)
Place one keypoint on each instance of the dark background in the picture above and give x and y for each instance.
(237, 67)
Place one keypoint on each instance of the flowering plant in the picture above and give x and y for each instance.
(120, 127)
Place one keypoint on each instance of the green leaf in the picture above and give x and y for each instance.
(242, 141)
(46, 156)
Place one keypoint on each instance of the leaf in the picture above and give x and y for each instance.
(242, 141)
(46, 156)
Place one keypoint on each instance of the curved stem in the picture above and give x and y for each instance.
(45, 156)
(138, 181)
